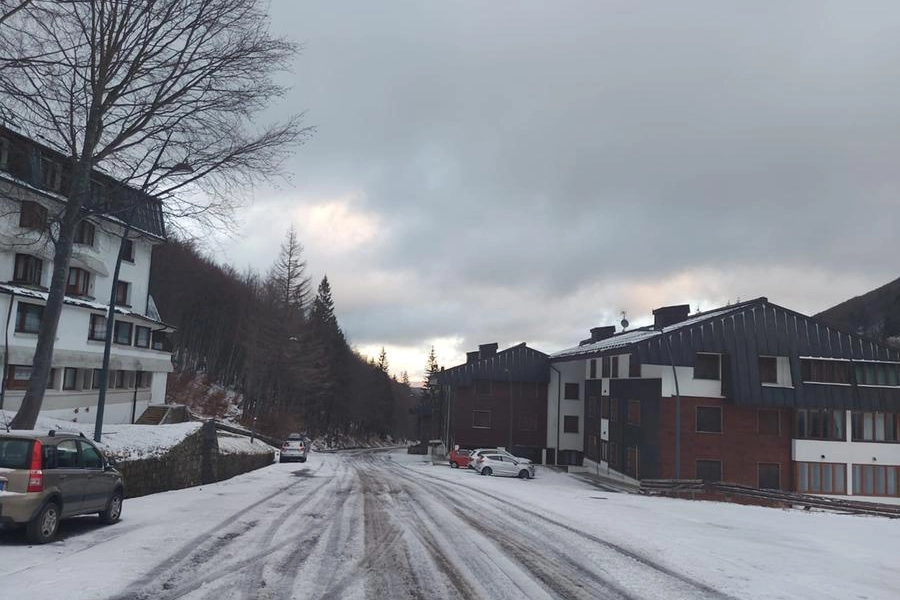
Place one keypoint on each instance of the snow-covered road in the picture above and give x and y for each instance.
(373, 525)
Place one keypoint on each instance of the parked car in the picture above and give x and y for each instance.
(45, 478)
(504, 464)
(459, 458)
(293, 448)
(477, 453)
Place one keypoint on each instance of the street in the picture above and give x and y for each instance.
(372, 525)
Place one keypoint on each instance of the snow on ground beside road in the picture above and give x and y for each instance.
(232, 443)
(749, 551)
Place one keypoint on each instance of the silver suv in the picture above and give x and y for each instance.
(53, 476)
(293, 448)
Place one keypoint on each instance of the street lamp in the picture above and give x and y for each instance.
(182, 167)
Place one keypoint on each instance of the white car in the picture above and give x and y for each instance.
(293, 448)
(504, 464)
(473, 462)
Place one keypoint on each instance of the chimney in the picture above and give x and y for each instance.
(487, 350)
(669, 315)
(601, 333)
(471, 357)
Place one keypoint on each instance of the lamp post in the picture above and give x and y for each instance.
(182, 167)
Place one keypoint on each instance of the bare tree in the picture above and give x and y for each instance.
(136, 87)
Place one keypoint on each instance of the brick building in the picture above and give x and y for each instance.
(498, 399)
(750, 393)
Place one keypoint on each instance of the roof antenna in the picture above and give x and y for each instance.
(624, 322)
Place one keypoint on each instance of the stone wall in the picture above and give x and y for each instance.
(194, 461)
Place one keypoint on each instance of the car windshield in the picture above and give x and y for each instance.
(15, 453)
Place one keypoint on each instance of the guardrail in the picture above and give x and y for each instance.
(692, 487)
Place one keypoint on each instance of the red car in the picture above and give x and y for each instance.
(459, 458)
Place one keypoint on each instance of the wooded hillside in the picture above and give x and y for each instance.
(276, 344)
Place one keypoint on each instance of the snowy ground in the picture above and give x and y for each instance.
(389, 525)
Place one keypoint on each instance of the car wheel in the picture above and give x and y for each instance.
(303, 459)
(42, 528)
(523, 474)
(454, 465)
(486, 471)
(113, 509)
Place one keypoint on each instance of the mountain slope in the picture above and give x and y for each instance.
(875, 314)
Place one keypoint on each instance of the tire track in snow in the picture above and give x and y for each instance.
(666, 577)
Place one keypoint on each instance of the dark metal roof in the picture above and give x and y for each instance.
(518, 363)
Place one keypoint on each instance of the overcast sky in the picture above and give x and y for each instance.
(523, 171)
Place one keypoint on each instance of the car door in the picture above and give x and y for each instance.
(508, 465)
(99, 483)
(66, 476)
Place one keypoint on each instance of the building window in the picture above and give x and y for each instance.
(876, 480)
(709, 419)
(768, 369)
(97, 329)
(605, 366)
(592, 368)
(99, 194)
(144, 379)
(122, 293)
(481, 419)
(875, 427)
(159, 340)
(821, 478)
(825, 371)
(709, 470)
(79, 282)
(707, 366)
(17, 377)
(633, 417)
(95, 379)
(614, 367)
(768, 421)
(128, 250)
(4, 153)
(528, 422)
(604, 407)
(570, 424)
(142, 336)
(820, 424)
(571, 391)
(613, 409)
(768, 476)
(604, 450)
(28, 269)
(122, 332)
(33, 215)
(28, 317)
(84, 233)
(70, 378)
(593, 407)
(881, 374)
(482, 386)
(51, 174)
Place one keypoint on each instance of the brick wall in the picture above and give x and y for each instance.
(194, 461)
(740, 446)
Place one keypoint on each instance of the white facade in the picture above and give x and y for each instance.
(139, 361)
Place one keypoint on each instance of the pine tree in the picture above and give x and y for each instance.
(382, 363)
(288, 277)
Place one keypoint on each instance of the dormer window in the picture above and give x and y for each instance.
(707, 366)
(51, 174)
(33, 215)
(123, 291)
(28, 269)
(79, 282)
(84, 234)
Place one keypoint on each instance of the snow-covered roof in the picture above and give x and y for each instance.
(626, 338)
(16, 290)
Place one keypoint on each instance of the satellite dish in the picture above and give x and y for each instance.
(624, 323)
